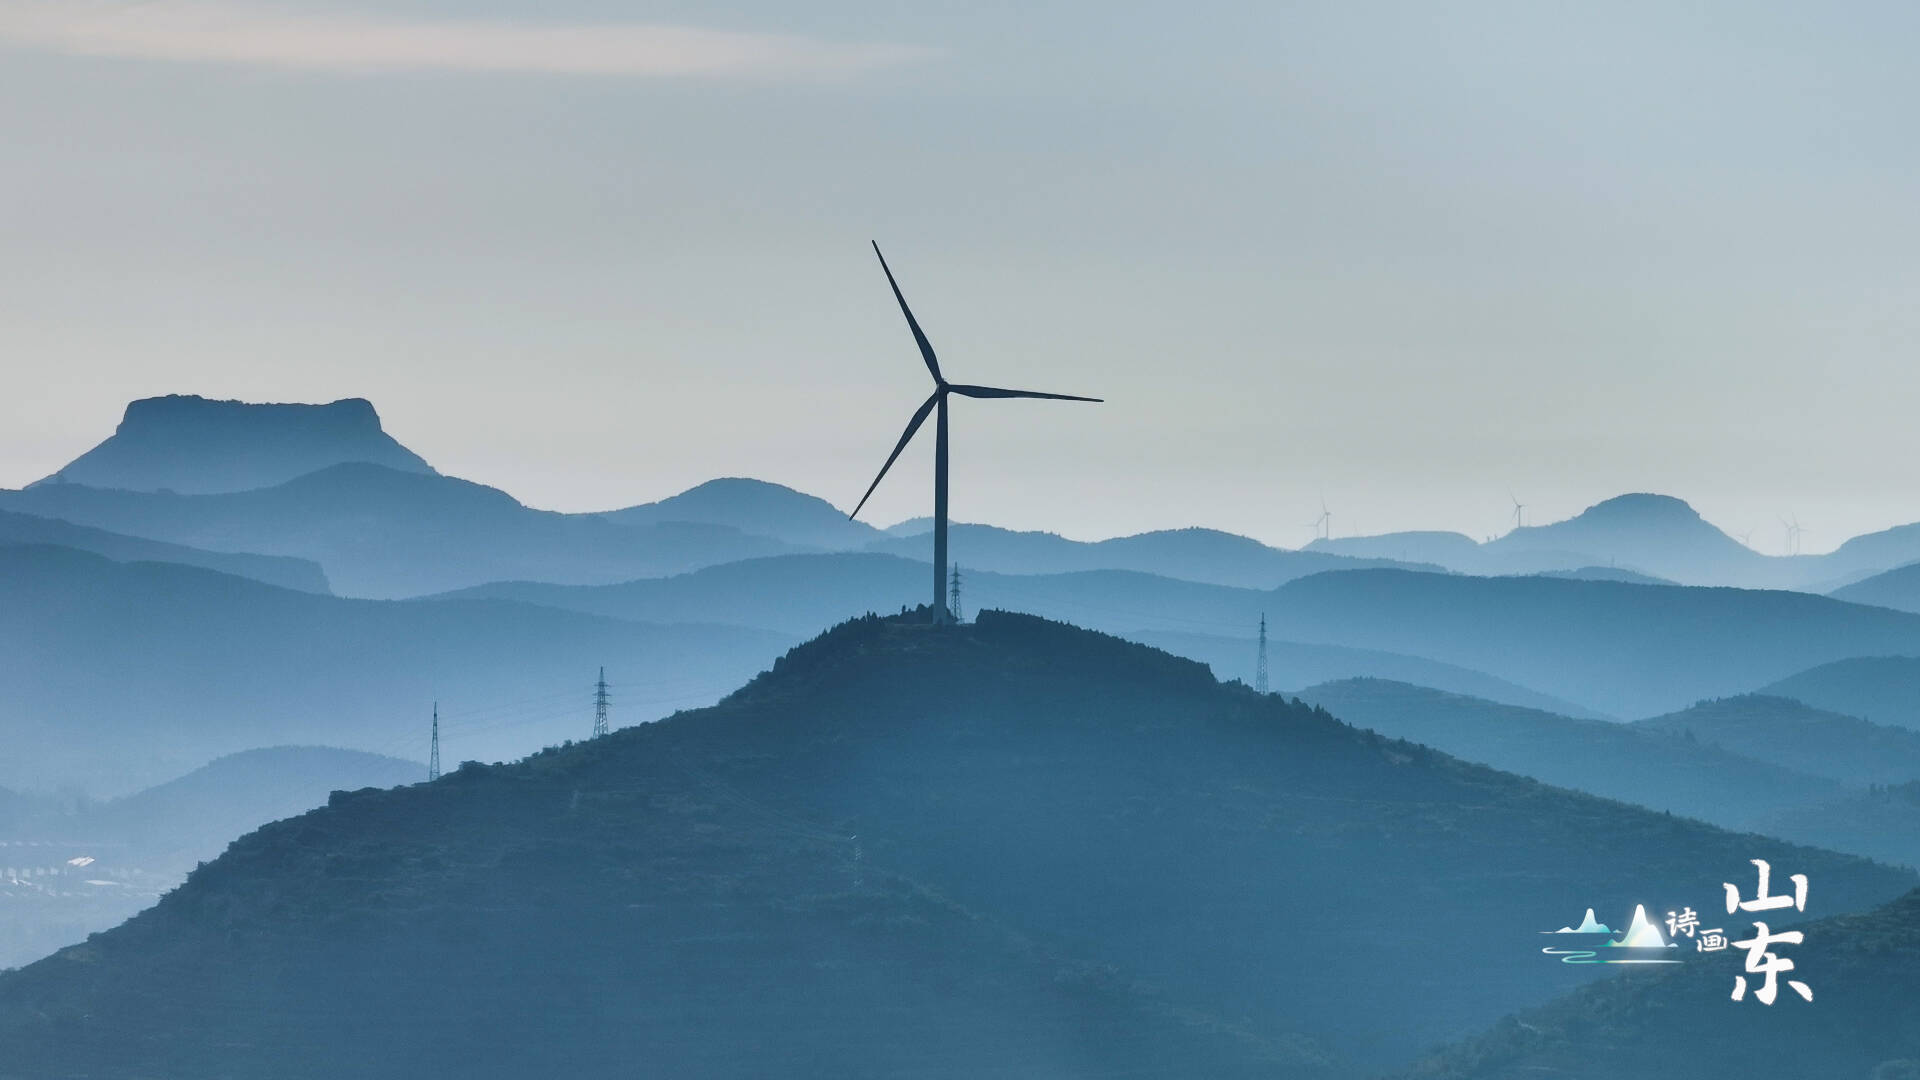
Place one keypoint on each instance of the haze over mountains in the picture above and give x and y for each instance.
(121, 674)
(74, 867)
(1293, 664)
(1207, 556)
(1793, 734)
(1641, 765)
(387, 534)
(1653, 534)
(1874, 686)
(18, 530)
(295, 473)
(894, 837)
(776, 565)
(1753, 763)
(996, 848)
(1618, 649)
(1898, 588)
(759, 508)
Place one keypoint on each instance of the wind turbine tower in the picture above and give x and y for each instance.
(1519, 511)
(1323, 525)
(937, 401)
(1791, 523)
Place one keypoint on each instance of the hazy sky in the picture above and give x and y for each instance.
(592, 252)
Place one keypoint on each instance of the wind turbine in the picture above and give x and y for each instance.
(1324, 523)
(937, 402)
(1793, 532)
(1519, 510)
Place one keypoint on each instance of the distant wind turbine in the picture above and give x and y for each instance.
(1791, 523)
(1519, 510)
(1323, 525)
(937, 401)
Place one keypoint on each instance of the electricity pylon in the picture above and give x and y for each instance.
(1260, 666)
(600, 705)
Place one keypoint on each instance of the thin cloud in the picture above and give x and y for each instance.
(209, 31)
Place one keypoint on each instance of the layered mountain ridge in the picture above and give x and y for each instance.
(1011, 846)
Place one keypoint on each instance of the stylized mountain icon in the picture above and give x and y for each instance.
(1588, 925)
(1641, 934)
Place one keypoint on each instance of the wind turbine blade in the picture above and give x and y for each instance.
(920, 339)
(996, 392)
(913, 425)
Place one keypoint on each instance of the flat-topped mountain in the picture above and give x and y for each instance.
(1005, 848)
(194, 445)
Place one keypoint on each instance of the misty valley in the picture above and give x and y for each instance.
(726, 793)
(735, 540)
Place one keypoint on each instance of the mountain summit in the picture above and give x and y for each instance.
(1655, 534)
(198, 446)
(757, 508)
(1004, 848)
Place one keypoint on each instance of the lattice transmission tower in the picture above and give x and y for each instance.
(1260, 666)
(600, 705)
(433, 755)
